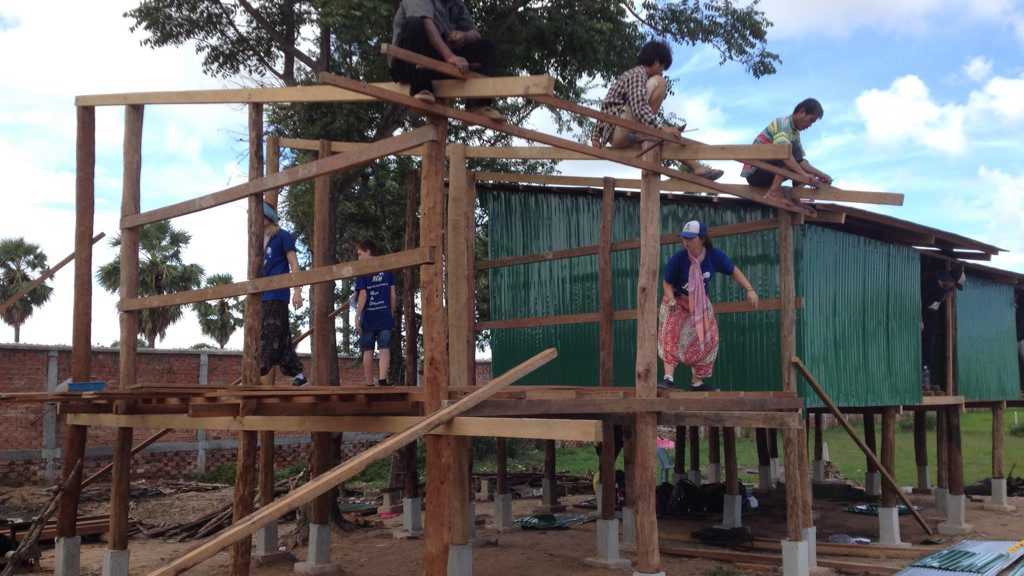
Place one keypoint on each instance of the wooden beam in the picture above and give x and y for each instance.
(339, 271)
(664, 406)
(670, 185)
(495, 87)
(421, 61)
(589, 250)
(670, 152)
(135, 450)
(244, 527)
(43, 278)
(605, 286)
(864, 448)
(480, 120)
(258, 185)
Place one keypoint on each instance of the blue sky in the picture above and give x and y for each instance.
(922, 97)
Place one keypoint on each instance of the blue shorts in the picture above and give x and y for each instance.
(382, 338)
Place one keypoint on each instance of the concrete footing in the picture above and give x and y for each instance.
(67, 556)
(635, 573)
(765, 482)
(998, 500)
(607, 546)
(810, 535)
(694, 476)
(115, 563)
(776, 469)
(924, 480)
(486, 488)
(956, 516)
(628, 527)
(732, 511)
(794, 558)
(889, 527)
(460, 560)
(873, 483)
(714, 472)
(819, 471)
(318, 554)
(412, 517)
(940, 499)
(265, 541)
(503, 512)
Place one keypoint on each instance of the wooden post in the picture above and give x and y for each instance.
(606, 306)
(648, 558)
(794, 506)
(715, 452)
(129, 288)
(435, 352)
(819, 442)
(787, 293)
(732, 481)
(955, 453)
(941, 450)
(889, 454)
(950, 342)
(246, 464)
(773, 443)
(921, 446)
(410, 468)
(607, 471)
(763, 456)
(695, 451)
(806, 488)
(460, 294)
(869, 439)
(266, 438)
(459, 491)
(680, 460)
(550, 502)
(501, 466)
(997, 439)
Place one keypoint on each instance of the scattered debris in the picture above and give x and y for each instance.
(1014, 487)
(28, 549)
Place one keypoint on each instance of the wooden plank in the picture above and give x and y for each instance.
(255, 287)
(85, 202)
(665, 406)
(670, 185)
(135, 450)
(242, 528)
(864, 448)
(422, 61)
(480, 120)
(43, 277)
(494, 87)
(300, 173)
(605, 286)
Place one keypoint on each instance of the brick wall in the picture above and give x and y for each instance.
(32, 433)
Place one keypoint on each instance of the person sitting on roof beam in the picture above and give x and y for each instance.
(637, 96)
(442, 30)
(786, 130)
(688, 330)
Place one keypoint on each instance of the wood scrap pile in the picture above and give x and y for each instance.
(1014, 486)
(529, 484)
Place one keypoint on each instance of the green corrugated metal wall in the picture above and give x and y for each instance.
(836, 273)
(859, 329)
(986, 355)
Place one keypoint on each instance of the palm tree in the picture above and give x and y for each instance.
(20, 263)
(220, 319)
(161, 271)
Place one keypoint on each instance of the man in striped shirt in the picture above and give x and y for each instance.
(786, 130)
(637, 95)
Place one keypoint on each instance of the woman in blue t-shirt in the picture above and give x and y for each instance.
(689, 332)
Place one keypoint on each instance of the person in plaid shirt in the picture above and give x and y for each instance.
(637, 95)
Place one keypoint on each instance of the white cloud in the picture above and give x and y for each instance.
(1002, 97)
(998, 212)
(978, 69)
(905, 112)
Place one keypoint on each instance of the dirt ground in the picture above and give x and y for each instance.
(372, 551)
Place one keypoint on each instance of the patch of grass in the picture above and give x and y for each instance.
(289, 471)
(907, 424)
(1017, 430)
(220, 474)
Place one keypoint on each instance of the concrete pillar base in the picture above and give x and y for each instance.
(392, 501)
(956, 515)
(889, 527)
(732, 511)
(628, 527)
(412, 517)
(310, 569)
(794, 558)
(714, 473)
(765, 482)
(607, 546)
(776, 469)
(67, 556)
(460, 560)
(810, 535)
(265, 541)
(503, 512)
(998, 500)
(873, 483)
(924, 480)
(115, 563)
(819, 471)
(319, 550)
(635, 573)
(486, 488)
(694, 476)
(940, 499)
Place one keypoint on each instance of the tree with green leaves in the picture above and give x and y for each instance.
(220, 319)
(161, 271)
(20, 263)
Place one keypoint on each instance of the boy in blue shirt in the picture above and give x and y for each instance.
(276, 348)
(375, 315)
